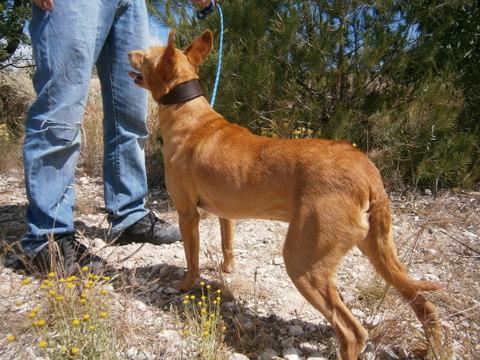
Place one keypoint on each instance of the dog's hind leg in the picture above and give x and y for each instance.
(227, 229)
(312, 251)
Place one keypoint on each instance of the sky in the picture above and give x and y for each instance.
(158, 32)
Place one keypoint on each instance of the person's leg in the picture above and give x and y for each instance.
(125, 131)
(65, 42)
(125, 114)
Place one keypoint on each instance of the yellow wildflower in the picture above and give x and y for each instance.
(59, 298)
(70, 285)
(85, 268)
(52, 293)
(202, 283)
(42, 344)
(46, 282)
(62, 280)
(26, 281)
(36, 309)
(75, 322)
(40, 322)
(51, 274)
(74, 350)
(83, 301)
(219, 291)
(107, 278)
(103, 314)
(199, 303)
(86, 317)
(192, 297)
(204, 311)
(11, 338)
(104, 292)
(208, 287)
(83, 295)
(205, 333)
(42, 287)
(31, 314)
(91, 328)
(185, 302)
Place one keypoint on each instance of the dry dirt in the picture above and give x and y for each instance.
(438, 237)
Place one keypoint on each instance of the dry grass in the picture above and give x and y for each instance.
(9, 154)
(16, 93)
(92, 145)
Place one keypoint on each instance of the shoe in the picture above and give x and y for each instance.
(65, 255)
(150, 229)
(62, 258)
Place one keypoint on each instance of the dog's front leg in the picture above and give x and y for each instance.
(188, 221)
(227, 229)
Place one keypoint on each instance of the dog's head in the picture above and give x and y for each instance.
(158, 69)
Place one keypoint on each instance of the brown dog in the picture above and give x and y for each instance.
(329, 192)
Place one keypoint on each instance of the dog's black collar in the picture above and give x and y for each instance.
(182, 92)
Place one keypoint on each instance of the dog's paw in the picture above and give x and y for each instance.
(186, 284)
(227, 267)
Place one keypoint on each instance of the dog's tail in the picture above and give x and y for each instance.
(380, 249)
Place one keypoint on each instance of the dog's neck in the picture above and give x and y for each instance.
(181, 117)
(182, 92)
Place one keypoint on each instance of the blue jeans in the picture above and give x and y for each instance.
(67, 43)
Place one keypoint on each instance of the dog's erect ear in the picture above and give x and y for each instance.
(167, 63)
(171, 42)
(198, 50)
(170, 49)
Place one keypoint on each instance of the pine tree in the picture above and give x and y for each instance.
(357, 70)
(13, 15)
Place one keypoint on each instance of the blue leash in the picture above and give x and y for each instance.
(201, 15)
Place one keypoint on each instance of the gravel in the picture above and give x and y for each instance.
(437, 236)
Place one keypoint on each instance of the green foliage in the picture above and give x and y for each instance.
(390, 75)
(13, 15)
(398, 78)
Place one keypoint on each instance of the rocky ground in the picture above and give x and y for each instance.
(438, 237)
